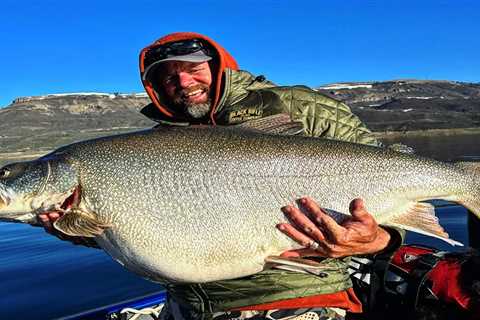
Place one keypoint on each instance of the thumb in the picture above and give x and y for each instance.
(358, 210)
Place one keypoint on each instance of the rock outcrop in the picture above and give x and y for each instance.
(406, 105)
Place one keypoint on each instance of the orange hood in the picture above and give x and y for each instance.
(220, 62)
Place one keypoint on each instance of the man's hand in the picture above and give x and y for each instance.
(47, 220)
(358, 234)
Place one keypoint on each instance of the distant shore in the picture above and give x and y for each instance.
(427, 133)
(389, 135)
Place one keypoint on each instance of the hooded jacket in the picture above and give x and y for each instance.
(238, 96)
(222, 60)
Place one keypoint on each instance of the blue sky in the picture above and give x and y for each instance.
(53, 46)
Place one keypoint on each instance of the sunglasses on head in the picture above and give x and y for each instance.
(177, 48)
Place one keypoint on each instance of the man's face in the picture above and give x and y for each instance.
(187, 86)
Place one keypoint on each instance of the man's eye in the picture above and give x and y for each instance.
(168, 79)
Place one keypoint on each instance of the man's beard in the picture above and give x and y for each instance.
(197, 110)
(191, 109)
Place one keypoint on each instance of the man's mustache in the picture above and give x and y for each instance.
(186, 91)
(181, 95)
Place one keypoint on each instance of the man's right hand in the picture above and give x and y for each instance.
(47, 220)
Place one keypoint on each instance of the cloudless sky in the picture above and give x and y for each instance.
(58, 46)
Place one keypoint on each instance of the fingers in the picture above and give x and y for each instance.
(303, 223)
(305, 230)
(328, 224)
(54, 216)
(47, 219)
(295, 234)
(325, 249)
(332, 230)
(359, 234)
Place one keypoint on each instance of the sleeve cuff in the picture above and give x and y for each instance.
(396, 240)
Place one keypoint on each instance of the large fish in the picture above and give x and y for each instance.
(200, 204)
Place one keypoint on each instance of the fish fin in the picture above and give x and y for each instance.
(420, 217)
(80, 223)
(470, 166)
(400, 147)
(472, 201)
(281, 124)
(296, 264)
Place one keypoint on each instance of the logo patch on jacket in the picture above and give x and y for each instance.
(244, 114)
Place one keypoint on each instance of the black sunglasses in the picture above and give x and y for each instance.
(177, 48)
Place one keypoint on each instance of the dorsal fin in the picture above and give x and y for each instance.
(276, 124)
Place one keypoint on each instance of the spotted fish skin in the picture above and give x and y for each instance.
(201, 204)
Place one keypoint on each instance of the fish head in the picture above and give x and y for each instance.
(33, 187)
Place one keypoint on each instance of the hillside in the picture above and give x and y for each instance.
(45, 122)
(39, 124)
(405, 105)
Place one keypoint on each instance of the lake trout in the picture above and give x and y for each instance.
(200, 204)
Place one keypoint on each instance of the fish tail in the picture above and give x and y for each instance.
(420, 216)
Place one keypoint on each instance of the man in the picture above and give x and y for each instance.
(193, 80)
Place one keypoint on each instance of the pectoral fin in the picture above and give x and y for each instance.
(80, 223)
(420, 217)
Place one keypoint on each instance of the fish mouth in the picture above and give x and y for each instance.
(73, 200)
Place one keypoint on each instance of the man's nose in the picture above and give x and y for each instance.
(185, 79)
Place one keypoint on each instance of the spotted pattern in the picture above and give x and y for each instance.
(179, 198)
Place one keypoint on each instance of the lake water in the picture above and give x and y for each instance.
(442, 147)
(42, 277)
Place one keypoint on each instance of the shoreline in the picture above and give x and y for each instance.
(32, 154)
(427, 133)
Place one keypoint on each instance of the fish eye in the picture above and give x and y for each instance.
(13, 170)
(4, 173)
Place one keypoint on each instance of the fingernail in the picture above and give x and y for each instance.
(287, 209)
(281, 227)
(303, 200)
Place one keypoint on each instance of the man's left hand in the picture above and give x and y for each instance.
(358, 234)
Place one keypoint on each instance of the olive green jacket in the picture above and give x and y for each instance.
(245, 98)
